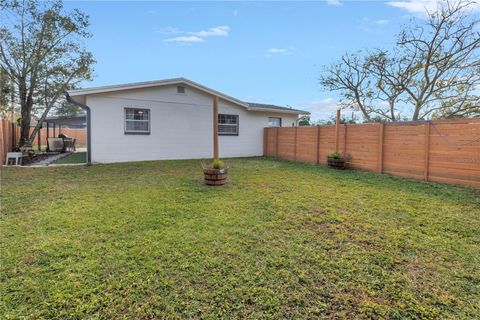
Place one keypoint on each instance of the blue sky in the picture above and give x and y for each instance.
(267, 52)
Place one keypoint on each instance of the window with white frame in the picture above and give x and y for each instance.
(274, 122)
(228, 125)
(137, 120)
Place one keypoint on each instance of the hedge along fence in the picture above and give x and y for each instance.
(443, 151)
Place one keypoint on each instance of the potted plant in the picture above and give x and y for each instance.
(215, 173)
(336, 160)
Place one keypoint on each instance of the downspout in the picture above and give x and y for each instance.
(89, 136)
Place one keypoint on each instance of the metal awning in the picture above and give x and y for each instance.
(81, 119)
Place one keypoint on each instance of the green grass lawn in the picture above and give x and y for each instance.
(281, 240)
(78, 157)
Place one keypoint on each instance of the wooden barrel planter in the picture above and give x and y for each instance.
(215, 177)
(337, 163)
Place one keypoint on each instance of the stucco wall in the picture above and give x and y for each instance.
(181, 126)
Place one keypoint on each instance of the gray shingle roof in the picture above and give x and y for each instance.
(274, 107)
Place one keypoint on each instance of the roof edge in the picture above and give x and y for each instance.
(154, 83)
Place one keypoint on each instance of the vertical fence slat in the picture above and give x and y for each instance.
(265, 132)
(318, 144)
(381, 129)
(2, 143)
(276, 142)
(427, 151)
(295, 144)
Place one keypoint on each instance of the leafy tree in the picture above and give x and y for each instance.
(66, 109)
(5, 93)
(304, 121)
(41, 51)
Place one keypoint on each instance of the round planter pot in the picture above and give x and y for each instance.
(215, 177)
(336, 163)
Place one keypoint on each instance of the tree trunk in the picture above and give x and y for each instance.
(416, 113)
(26, 104)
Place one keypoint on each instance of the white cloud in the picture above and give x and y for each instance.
(334, 3)
(421, 7)
(212, 32)
(283, 51)
(382, 21)
(188, 39)
(192, 37)
(169, 30)
(277, 50)
(320, 109)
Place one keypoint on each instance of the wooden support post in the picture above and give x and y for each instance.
(215, 128)
(39, 140)
(276, 142)
(337, 129)
(381, 129)
(318, 144)
(427, 151)
(48, 135)
(344, 153)
(54, 133)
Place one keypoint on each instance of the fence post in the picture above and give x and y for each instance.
(318, 144)
(39, 140)
(345, 140)
(337, 129)
(276, 143)
(265, 132)
(381, 129)
(427, 150)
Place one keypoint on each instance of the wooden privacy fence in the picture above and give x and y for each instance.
(10, 136)
(443, 151)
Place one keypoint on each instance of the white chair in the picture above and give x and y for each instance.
(16, 156)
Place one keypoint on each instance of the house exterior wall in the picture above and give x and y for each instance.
(181, 126)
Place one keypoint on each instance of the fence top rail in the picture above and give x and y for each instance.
(397, 123)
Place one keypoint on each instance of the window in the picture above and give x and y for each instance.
(274, 122)
(228, 125)
(181, 89)
(137, 121)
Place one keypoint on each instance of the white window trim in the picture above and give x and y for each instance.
(236, 125)
(136, 131)
(280, 118)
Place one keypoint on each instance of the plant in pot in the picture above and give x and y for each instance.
(215, 173)
(336, 160)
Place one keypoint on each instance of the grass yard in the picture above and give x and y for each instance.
(282, 240)
(78, 157)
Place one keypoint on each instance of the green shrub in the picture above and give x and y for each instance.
(335, 155)
(217, 164)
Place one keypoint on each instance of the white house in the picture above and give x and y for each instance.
(173, 119)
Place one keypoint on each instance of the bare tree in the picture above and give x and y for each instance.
(350, 76)
(391, 76)
(42, 53)
(443, 60)
(434, 71)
